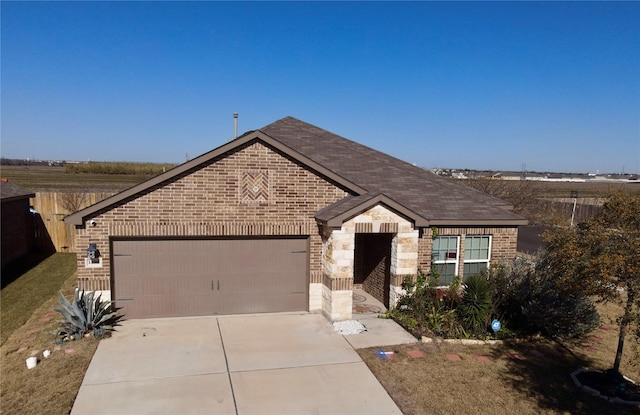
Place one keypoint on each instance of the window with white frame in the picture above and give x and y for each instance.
(444, 254)
(477, 254)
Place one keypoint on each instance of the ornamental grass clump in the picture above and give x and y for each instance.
(86, 314)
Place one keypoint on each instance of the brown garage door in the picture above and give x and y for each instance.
(166, 278)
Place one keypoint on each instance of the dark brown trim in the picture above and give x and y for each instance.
(380, 199)
(332, 216)
(486, 223)
(78, 218)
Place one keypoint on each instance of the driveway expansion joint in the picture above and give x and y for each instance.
(226, 361)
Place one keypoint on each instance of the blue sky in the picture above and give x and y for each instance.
(487, 85)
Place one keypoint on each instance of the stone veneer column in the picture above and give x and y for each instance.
(404, 260)
(338, 248)
(338, 253)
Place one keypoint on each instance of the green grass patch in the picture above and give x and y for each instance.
(52, 386)
(25, 294)
(52, 179)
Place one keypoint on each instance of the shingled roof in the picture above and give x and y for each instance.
(437, 200)
(371, 177)
(10, 191)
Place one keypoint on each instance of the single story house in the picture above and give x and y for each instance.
(289, 217)
(18, 223)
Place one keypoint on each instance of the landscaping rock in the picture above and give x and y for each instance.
(349, 327)
(467, 342)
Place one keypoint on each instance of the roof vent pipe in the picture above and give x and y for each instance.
(235, 125)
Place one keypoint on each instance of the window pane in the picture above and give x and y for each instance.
(445, 248)
(476, 247)
(446, 272)
(474, 269)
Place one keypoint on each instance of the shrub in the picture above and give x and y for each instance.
(527, 299)
(475, 308)
(428, 309)
(86, 314)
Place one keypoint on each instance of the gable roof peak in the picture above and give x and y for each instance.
(356, 168)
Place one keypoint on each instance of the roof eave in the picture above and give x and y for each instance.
(336, 221)
(79, 217)
(18, 197)
(479, 222)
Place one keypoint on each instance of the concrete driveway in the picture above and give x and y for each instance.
(242, 365)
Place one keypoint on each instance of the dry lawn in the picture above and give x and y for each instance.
(519, 378)
(51, 179)
(52, 386)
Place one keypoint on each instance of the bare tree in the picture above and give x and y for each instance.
(524, 195)
(73, 201)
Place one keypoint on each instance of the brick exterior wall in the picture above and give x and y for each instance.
(253, 191)
(503, 243)
(373, 264)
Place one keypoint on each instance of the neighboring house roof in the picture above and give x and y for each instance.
(10, 191)
(371, 177)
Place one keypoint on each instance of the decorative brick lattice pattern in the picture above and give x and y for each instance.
(254, 186)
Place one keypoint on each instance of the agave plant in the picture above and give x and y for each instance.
(475, 308)
(87, 314)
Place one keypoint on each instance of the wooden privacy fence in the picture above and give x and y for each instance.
(586, 208)
(54, 206)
